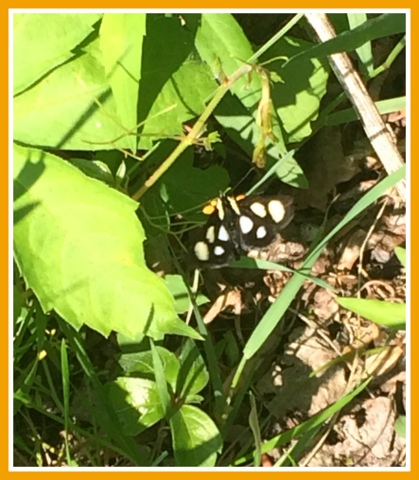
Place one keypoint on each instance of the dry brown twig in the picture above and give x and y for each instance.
(373, 124)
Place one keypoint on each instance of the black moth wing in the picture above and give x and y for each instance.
(212, 251)
(268, 214)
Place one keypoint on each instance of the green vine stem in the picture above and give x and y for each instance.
(195, 132)
(199, 126)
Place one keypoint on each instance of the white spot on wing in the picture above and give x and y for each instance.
(210, 234)
(223, 235)
(220, 209)
(246, 224)
(219, 251)
(234, 205)
(258, 209)
(276, 210)
(261, 232)
(201, 251)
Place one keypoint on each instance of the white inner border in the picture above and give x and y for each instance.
(407, 12)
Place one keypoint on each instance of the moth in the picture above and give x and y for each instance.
(237, 225)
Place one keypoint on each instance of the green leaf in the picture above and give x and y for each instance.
(364, 52)
(196, 439)
(222, 44)
(297, 98)
(378, 311)
(203, 185)
(142, 363)
(174, 83)
(42, 42)
(237, 113)
(255, 427)
(121, 41)
(160, 379)
(78, 245)
(181, 99)
(136, 402)
(96, 97)
(179, 291)
(193, 374)
(241, 127)
(72, 108)
(95, 169)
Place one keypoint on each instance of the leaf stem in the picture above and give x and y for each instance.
(195, 131)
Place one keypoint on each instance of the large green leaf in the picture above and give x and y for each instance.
(196, 439)
(181, 98)
(78, 244)
(296, 98)
(94, 99)
(136, 402)
(72, 108)
(43, 41)
(296, 101)
(121, 37)
(223, 45)
(142, 363)
(203, 185)
(174, 83)
(193, 374)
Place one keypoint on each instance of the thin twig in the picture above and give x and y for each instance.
(371, 120)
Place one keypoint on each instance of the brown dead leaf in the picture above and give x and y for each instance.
(373, 437)
(352, 250)
(325, 306)
(291, 383)
(230, 298)
(366, 438)
(384, 361)
(390, 385)
(383, 244)
(363, 334)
